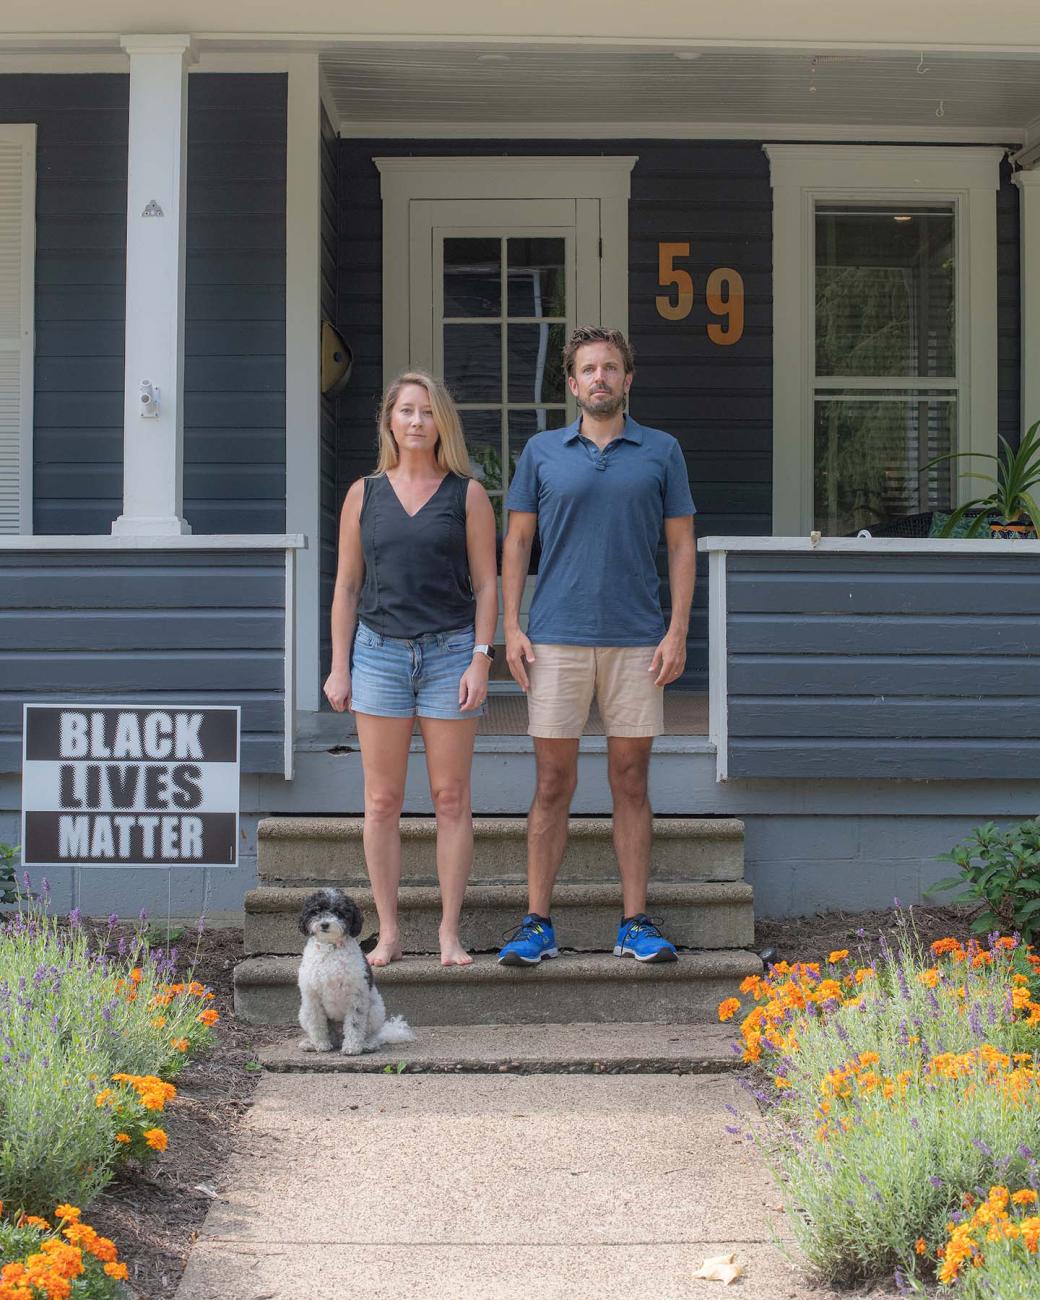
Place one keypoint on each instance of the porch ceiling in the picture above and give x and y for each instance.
(595, 87)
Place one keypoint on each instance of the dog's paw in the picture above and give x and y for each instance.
(307, 1046)
(351, 1048)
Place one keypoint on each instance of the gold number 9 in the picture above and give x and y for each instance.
(729, 304)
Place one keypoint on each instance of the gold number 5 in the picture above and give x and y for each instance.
(669, 274)
(729, 304)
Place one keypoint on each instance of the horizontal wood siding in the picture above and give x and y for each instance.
(330, 312)
(920, 667)
(81, 124)
(139, 626)
(234, 400)
(234, 331)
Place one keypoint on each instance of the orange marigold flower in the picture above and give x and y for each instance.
(34, 1221)
(66, 1211)
(942, 946)
(122, 1137)
(1024, 1197)
(864, 973)
(103, 1097)
(929, 978)
(117, 1270)
(1006, 941)
(839, 954)
(727, 1009)
(181, 1044)
(159, 1022)
(781, 1082)
(156, 1138)
(137, 974)
(102, 1248)
(209, 1017)
(921, 1246)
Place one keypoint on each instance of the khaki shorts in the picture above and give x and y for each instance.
(562, 681)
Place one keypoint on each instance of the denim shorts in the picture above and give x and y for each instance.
(396, 678)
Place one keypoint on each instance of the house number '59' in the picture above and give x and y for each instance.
(723, 294)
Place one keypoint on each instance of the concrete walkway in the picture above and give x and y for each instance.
(445, 1186)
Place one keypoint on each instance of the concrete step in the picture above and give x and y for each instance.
(580, 989)
(329, 850)
(707, 914)
(527, 1049)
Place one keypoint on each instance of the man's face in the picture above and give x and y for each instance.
(599, 382)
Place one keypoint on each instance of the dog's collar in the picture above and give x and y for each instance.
(336, 943)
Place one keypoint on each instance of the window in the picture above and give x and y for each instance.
(885, 390)
(884, 329)
(17, 255)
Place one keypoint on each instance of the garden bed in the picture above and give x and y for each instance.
(155, 1213)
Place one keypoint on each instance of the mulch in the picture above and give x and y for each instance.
(154, 1212)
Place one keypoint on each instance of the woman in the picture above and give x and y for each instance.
(417, 580)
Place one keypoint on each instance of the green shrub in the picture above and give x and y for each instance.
(1001, 870)
(59, 1258)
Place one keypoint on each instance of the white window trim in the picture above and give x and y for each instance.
(802, 174)
(405, 180)
(24, 134)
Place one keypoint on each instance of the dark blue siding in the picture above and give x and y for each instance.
(136, 626)
(234, 335)
(234, 460)
(900, 665)
(718, 401)
(81, 126)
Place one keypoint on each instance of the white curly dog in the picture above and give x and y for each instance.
(339, 1001)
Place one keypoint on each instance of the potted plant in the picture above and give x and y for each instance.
(1011, 509)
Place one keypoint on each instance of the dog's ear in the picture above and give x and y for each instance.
(357, 918)
(312, 905)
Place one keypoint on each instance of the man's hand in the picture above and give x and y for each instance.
(519, 648)
(337, 690)
(669, 659)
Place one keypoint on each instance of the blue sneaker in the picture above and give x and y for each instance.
(531, 942)
(640, 938)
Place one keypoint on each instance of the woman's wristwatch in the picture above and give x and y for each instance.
(488, 651)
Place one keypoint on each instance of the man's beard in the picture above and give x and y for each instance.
(602, 409)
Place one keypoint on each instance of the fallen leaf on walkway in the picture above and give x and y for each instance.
(720, 1268)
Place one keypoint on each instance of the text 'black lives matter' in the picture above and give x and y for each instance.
(129, 786)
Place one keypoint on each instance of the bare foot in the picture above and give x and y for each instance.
(385, 951)
(453, 953)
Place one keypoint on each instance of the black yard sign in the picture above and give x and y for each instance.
(123, 786)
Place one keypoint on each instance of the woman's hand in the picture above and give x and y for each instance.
(337, 689)
(473, 686)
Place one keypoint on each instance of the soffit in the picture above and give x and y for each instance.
(487, 83)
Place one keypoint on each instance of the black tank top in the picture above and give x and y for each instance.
(417, 576)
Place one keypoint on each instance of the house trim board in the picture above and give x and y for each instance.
(802, 174)
(1028, 183)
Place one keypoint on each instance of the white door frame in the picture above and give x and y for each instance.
(405, 181)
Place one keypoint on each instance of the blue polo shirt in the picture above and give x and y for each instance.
(600, 518)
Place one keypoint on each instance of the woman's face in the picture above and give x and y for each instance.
(411, 420)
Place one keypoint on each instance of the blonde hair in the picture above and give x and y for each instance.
(450, 451)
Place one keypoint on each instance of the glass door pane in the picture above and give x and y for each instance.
(504, 308)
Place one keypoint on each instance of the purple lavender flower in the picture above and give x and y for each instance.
(975, 1022)
(936, 1182)
(75, 918)
(45, 884)
(1025, 1152)
(142, 915)
(113, 921)
(732, 1128)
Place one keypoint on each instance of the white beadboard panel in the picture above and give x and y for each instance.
(488, 83)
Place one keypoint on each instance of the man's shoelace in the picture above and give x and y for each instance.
(644, 925)
(525, 930)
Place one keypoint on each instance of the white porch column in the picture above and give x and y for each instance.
(153, 444)
(1028, 183)
(303, 361)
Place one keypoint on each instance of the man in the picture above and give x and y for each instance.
(598, 492)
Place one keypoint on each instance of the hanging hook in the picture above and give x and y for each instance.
(941, 110)
(921, 68)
